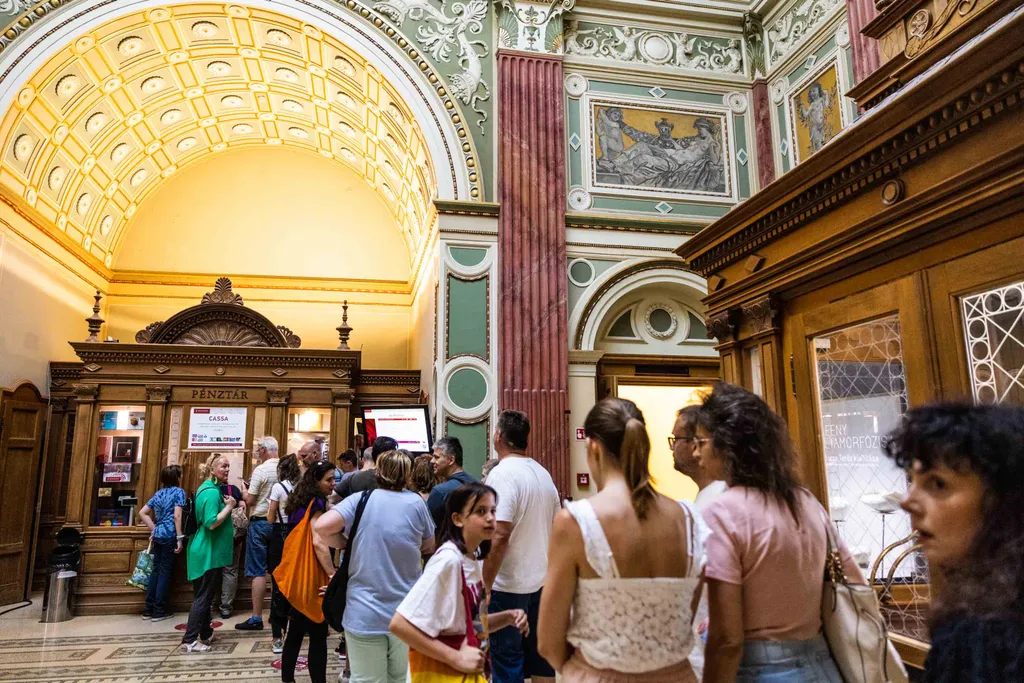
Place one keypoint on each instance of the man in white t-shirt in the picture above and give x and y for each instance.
(684, 447)
(518, 561)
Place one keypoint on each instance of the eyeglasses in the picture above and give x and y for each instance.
(698, 442)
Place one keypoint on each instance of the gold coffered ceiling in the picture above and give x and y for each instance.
(105, 120)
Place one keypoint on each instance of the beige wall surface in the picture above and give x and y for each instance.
(42, 306)
(270, 211)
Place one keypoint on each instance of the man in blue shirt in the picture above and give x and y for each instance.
(447, 462)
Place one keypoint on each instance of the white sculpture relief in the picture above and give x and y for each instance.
(11, 6)
(579, 199)
(736, 101)
(576, 84)
(440, 34)
(788, 30)
(638, 45)
(843, 35)
(778, 89)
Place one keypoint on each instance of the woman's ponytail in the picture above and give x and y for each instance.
(619, 425)
(634, 455)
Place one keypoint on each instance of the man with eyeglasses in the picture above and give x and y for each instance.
(685, 445)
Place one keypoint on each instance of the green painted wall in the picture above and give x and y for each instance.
(467, 388)
(468, 256)
(467, 317)
(474, 438)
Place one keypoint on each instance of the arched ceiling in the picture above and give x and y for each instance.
(109, 118)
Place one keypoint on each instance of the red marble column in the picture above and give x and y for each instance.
(534, 352)
(866, 58)
(763, 134)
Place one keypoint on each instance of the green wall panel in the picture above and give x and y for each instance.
(474, 439)
(645, 91)
(467, 256)
(742, 170)
(647, 205)
(467, 388)
(467, 317)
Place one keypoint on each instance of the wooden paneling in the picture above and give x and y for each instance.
(22, 413)
(121, 563)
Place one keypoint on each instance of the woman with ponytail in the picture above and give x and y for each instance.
(624, 568)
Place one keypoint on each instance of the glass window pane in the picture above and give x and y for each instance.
(118, 461)
(309, 424)
(994, 335)
(861, 393)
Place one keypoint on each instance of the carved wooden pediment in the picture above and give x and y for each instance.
(221, 319)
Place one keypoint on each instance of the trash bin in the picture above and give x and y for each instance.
(61, 590)
(62, 570)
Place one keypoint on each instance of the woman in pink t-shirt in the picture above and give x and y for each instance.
(766, 552)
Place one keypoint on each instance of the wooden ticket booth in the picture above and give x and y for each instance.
(213, 378)
(886, 272)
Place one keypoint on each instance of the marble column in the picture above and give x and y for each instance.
(533, 358)
(866, 58)
(763, 134)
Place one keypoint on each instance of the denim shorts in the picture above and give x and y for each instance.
(256, 548)
(805, 661)
(513, 657)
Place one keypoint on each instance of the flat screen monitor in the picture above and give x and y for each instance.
(408, 425)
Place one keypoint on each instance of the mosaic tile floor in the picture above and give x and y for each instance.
(126, 649)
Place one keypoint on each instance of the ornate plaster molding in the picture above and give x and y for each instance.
(762, 313)
(789, 30)
(532, 26)
(634, 45)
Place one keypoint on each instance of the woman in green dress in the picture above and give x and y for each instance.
(209, 550)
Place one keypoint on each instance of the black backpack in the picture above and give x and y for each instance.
(189, 526)
(333, 604)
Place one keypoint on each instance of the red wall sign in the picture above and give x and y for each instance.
(580, 436)
(583, 479)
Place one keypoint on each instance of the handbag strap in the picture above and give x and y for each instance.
(350, 547)
(835, 572)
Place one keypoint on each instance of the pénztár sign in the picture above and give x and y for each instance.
(217, 428)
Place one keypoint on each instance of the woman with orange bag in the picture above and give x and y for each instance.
(438, 618)
(305, 566)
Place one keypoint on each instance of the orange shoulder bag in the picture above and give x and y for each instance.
(299, 576)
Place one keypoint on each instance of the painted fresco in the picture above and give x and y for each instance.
(659, 149)
(816, 112)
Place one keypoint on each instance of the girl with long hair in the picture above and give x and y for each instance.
(966, 469)
(439, 617)
(162, 514)
(396, 530)
(766, 553)
(209, 550)
(288, 475)
(310, 494)
(624, 566)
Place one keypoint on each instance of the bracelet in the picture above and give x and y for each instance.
(181, 538)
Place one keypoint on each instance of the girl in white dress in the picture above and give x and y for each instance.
(624, 568)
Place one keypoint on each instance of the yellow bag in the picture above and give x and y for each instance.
(299, 576)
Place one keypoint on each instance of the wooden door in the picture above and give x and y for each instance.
(21, 440)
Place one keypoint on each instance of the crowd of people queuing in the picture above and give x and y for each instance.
(453, 579)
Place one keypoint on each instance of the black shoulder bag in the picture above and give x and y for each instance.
(333, 604)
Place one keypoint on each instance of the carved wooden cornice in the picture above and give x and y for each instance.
(723, 326)
(170, 354)
(278, 395)
(342, 397)
(158, 393)
(389, 377)
(64, 374)
(761, 314)
(220, 319)
(818, 186)
(86, 393)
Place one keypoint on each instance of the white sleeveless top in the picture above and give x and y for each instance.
(633, 625)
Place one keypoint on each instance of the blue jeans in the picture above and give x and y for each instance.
(160, 579)
(513, 657)
(256, 548)
(806, 661)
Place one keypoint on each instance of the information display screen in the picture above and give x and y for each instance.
(408, 425)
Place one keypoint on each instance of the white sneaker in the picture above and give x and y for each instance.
(343, 677)
(277, 647)
(197, 646)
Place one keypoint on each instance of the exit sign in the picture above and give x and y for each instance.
(580, 436)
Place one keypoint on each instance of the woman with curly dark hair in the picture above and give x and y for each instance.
(966, 469)
(311, 494)
(766, 553)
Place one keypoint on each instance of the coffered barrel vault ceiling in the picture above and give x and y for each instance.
(106, 119)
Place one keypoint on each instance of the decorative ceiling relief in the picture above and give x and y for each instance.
(753, 39)
(440, 33)
(788, 31)
(532, 26)
(634, 45)
(101, 124)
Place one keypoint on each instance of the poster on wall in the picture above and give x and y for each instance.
(126, 449)
(217, 428)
